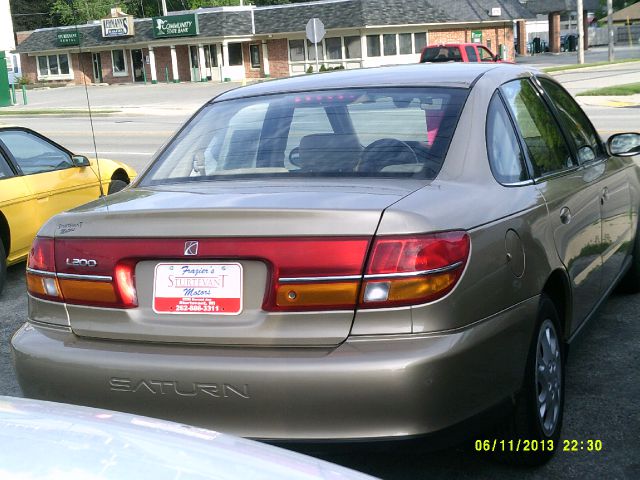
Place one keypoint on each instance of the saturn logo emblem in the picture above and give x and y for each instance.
(191, 247)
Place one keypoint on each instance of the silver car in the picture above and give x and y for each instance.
(369, 254)
(47, 441)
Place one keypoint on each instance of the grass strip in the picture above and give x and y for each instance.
(54, 111)
(587, 65)
(625, 89)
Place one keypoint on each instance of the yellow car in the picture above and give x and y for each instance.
(39, 178)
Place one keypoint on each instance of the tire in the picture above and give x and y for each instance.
(3, 266)
(116, 185)
(630, 283)
(538, 413)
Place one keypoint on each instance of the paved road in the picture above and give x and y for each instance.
(594, 54)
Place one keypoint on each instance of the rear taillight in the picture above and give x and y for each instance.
(78, 279)
(409, 270)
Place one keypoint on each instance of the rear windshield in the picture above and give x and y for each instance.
(441, 54)
(376, 132)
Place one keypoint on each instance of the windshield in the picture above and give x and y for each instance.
(370, 132)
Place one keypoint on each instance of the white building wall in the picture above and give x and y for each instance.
(7, 41)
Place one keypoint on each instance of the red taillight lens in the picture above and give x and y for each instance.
(409, 270)
(41, 271)
(76, 277)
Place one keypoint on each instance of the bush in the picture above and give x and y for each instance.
(310, 69)
(20, 81)
(323, 68)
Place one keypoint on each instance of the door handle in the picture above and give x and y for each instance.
(565, 215)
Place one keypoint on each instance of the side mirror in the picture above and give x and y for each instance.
(80, 161)
(624, 144)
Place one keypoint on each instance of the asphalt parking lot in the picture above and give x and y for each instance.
(602, 390)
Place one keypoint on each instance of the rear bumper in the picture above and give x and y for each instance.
(367, 388)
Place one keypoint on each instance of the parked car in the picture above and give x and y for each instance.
(45, 440)
(39, 178)
(380, 253)
(458, 52)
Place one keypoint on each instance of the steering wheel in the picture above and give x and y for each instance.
(385, 152)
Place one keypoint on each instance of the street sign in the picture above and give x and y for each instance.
(315, 33)
(315, 30)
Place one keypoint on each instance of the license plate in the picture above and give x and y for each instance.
(198, 288)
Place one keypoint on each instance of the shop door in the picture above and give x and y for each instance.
(211, 58)
(138, 65)
(194, 62)
(96, 60)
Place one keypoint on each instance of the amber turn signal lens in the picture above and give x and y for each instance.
(81, 291)
(339, 294)
(43, 287)
(412, 290)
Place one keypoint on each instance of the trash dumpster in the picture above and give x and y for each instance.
(537, 47)
(572, 43)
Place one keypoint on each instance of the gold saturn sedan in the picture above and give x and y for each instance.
(362, 255)
(39, 178)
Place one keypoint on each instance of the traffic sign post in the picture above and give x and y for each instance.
(315, 33)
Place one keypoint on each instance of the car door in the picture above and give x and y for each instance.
(571, 191)
(16, 206)
(49, 173)
(615, 194)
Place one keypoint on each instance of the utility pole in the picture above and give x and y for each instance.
(580, 32)
(164, 7)
(610, 27)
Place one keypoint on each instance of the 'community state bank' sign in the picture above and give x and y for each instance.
(175, 26)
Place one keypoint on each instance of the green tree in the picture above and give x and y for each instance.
(30, 14)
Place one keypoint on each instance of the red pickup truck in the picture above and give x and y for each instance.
(458, 52)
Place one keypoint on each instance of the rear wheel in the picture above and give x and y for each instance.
(3, 266)
(537, 419)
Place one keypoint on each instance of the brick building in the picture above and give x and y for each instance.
(233, 43)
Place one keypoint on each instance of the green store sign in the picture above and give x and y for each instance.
(68, 39)
(476, 36)
(175, 26)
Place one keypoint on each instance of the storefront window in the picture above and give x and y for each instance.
(334, 48)
(373, 45)
(235, 54)
(254, 53)
(352, 47)
(311, 51)
(296, 50)
(389, 43)
(53, 65)
(119, 63)
(420, 41)
(405, 43)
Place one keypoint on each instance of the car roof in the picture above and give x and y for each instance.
(436, 45)
(456, 75)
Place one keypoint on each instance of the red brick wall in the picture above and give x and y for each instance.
(81, 70)
(184, 71)
(491, 36)
(163, 61)
(278, 58)
(29, 67)
(107, 68)
(22, 36)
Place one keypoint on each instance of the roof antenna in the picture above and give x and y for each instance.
(86, 92)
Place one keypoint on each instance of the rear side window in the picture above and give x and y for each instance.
(441, 54)
(505, 156)
(545, 143)
(5, 170)
(574, 119)
(359, 132)
(471, 53)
